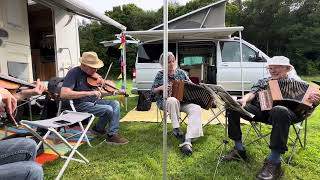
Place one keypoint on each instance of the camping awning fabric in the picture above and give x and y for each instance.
(185, 34)
(82, 9)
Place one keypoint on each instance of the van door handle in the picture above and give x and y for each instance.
(225, 65)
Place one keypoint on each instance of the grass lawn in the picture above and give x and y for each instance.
(142, 157)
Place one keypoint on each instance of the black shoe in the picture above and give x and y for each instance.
(98, 132)
(186, 148)
(235, 155)
(179, 135)
(270, 171)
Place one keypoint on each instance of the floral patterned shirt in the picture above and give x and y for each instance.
(158, 81)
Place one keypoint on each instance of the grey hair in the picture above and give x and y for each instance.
(161, 57)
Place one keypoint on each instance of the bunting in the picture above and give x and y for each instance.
(123, 41)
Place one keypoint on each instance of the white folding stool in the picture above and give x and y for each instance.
(65, 119)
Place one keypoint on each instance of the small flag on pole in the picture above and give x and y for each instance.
(120, 76)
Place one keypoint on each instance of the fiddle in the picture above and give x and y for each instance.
(12, 85)
(96, 80)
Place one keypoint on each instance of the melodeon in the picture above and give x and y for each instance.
(191, 93)
(289, 93)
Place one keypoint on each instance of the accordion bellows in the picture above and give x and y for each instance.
(289, 93)
(191, 93)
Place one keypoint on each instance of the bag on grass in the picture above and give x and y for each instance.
(144, 101)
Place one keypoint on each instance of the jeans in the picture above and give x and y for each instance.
(107, 111)
(279, 117)
(17, 157)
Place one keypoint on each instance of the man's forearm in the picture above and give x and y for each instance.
(26, 93)
(70, 94)
(249, 97)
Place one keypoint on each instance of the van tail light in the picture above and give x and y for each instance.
(134, 75)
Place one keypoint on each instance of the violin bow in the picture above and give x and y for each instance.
(108, 71)
(105, 77)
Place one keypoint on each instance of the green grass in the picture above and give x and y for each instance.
(142, 157)
(310, 78)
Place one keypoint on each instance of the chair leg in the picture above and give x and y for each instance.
(298, 139)
(259, 134)
(216, 116)
(305, 134)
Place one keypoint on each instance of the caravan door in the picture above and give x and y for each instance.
(15, 54)
(229, 65)
(66, 41)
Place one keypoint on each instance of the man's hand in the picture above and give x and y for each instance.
(9, 101)
(95, 93)
(242, 102)
(38, 90)
(246, 98)
(314, 98)
(26, 93)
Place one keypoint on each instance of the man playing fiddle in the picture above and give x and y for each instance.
(17, 155)
(280, 117)
(88, 99)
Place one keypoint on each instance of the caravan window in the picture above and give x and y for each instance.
(230, 52)
(150, 53)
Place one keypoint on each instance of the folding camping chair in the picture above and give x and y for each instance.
(159, 112)
(297, 127)
(65, 119)
(221, 109)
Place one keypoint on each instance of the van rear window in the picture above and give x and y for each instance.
(150, 53)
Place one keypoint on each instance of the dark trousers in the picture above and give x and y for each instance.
(279, 117)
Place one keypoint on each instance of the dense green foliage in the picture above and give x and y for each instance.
(277, 27)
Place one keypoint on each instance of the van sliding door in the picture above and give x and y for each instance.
(229, 66)
(66, 41)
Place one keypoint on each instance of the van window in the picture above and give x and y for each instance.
(230, 52)
(150, 53)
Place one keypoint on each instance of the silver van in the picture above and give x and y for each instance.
(213, 62)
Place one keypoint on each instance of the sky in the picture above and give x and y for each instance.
(103, 5)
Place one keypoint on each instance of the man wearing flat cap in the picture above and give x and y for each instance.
(279, 117)
(88, 99)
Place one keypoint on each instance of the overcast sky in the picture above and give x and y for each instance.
(103, 5)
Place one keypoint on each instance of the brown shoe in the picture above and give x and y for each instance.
(270, 171)
(116, 139)
(235, 155)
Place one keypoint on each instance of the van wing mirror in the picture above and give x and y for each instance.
(259, 58)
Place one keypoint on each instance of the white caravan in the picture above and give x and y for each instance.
(204, 48)
(40, 37)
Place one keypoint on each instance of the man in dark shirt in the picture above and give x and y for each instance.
(88, 99)
(280, 117)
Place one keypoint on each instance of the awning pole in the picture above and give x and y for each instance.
(125, 72)
(241, 68)
(165, 83)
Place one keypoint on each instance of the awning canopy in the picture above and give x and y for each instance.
(82, 9)
(185, 34)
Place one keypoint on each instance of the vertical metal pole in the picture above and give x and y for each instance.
(241, 68)
(165, 83)
(125, 73)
